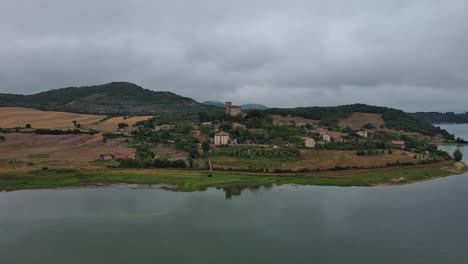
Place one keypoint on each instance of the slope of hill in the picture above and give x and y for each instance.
(437, 118)
(393, 118)
(115, 98)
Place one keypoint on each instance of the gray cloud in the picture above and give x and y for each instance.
(404, 54)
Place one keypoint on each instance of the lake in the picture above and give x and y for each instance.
(425, 222)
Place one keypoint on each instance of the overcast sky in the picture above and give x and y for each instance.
(406, 54)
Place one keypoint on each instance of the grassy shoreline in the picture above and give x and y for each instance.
(186, 180)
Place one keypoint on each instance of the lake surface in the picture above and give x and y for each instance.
(419, 223)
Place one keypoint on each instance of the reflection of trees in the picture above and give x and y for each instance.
(236, 190)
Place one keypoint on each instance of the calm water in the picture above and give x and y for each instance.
(419, 223)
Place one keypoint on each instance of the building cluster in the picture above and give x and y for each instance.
(315, 136)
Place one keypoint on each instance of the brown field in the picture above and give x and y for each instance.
(57, 150)
(288, 120)
(11, 117)
(111, 124)
(358, 120)
(313, 159)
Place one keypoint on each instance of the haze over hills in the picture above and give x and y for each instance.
(110, 99)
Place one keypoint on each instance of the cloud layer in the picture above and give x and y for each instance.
(404, 54)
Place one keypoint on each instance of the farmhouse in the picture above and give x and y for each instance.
(399, 143)
(326, 138)
(221, 138)
(232, 110)
(362, 133)
(107, 157)
(309, 142)
(335, 136)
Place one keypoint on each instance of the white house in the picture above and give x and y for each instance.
(326, 138)
(362, 133)
(309, 142)
(221, 138)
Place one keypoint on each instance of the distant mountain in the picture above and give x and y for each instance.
(112, 98)
(244, 106)
(437, 118)
(254, 106)
(214, 103)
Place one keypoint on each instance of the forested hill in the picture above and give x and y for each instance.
(394, 119)
(438, 118)
(112, 98)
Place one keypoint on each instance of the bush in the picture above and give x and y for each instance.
(122, 125)
(458, 155)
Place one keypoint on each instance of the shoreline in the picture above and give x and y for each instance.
(187, 180)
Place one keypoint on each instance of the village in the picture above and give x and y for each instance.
(233, 139)
(222, 139)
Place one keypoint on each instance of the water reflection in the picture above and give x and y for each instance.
(236, 190)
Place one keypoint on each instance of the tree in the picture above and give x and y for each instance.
(458, 155)
(74, 122)
(28, 126)
(369, 126)
(206, 146)
(122, 125)
(206, 129)
(225, 126)
(143, 151)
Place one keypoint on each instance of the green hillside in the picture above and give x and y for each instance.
(394, 119)
(112, 99)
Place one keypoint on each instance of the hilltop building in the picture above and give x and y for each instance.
(232, 110)
(221, 138)
(362, 133)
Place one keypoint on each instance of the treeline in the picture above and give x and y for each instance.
(284, 153)
(44, 131)
(437, 118)
(147, 163)
(356, 145)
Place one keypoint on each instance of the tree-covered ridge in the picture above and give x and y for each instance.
(112, 99)
(330, 116)
(437, 118)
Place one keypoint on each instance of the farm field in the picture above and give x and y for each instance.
(21, 149)
(358, 120)
(11, 117)
(111, 124)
